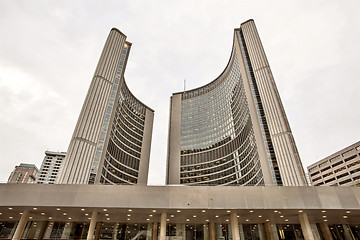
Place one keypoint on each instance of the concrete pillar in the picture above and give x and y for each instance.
(325, 231)
(92, 225)
(180, 231)
(234, 226)
(347, 232)
(271, 231)
(261, 230)
(42, 230)
(98, 230)
(163, 227)
(212, 234)
(21, 225)
(154, 230)
(305, 226)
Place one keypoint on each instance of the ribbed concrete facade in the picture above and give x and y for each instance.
(84, 162)
(234, 131)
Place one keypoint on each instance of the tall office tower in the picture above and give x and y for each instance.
(50, 167)
(112, 138)
(234, 131)
(24, 173)
(340, 168)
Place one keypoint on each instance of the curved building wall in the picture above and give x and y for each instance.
(112, 138)
(217, 141)
(223, 133)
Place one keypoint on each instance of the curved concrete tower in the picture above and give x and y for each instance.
(112, 138)
(234, 131)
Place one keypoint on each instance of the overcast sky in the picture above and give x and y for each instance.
(49, 51)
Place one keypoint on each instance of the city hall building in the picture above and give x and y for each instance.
(233, 169)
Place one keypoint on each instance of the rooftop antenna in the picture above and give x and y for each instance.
(184, 85)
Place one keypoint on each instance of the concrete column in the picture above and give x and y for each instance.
(98, 230)
(163, 227)
(180, 231)
(212, 235)
(92, 225)
(261, 230)
(234, 226)
(155, 230)
(347, 232)
(21, 225)
(42, 230)
(271, 231)
(325, 231)
(305, 226)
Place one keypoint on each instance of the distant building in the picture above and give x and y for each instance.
(340, 168)
(24, 173)
(50, 167)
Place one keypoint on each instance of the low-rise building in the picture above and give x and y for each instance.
(340, 168)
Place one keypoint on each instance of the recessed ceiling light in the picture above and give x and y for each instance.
(207, 220)
(50, 217)
(108, 219)
(89, 218)
(348, 211)
(260, 216)
(147, 219)
(238, 216)
(324, 216)
(251, 211)
(130, 210)
(281, 216)
(42, 213)
(82, 209)
(227, 220)
(30, 217)
(58, 209)
(86, 214)
(64, 213)
(69, 217)
(167, 219)
(10, 208)
(203, 211)
(217, 216)
(106, 214)
(104, 209)
(276, 211)
(178, 210)
(228, 211)
(187, 220)
(267, 220)
(21, 213)
(194, 216)
(286, 220)
(172, 216)
(129, 215)
(150, 215)
(325, 220)
(35, 208)
(11, 217)
(323, 211)
(345, 216)
(300, 210)
(154, 210)
(128, 219)
(247, 220)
